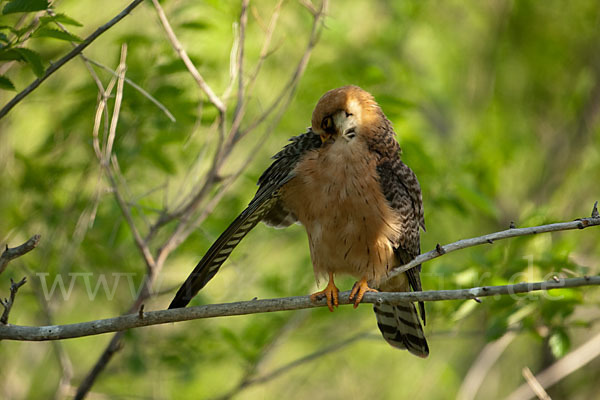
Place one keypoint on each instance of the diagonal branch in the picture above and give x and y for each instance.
(490, 238)
(212, 97)
(54, 67)
(136, 320)
(12, 253)
(88, 61)
(561, 368)
(8, 303)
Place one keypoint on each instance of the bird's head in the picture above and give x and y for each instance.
(345, 113)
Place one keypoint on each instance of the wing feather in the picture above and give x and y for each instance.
(403, 193)
(264, 204)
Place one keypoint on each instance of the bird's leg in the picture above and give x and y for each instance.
(330, 292)
(359, 289)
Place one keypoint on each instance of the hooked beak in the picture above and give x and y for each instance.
(325, 137)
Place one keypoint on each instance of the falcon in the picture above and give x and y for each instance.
(362, 208)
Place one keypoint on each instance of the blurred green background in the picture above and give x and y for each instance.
(496, 107)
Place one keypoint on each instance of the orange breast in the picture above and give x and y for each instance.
(337, 197)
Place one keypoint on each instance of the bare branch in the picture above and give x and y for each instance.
(8, 303)
(241, 108)
(290, 87)
(490, 238)
(85, 386)
(12, 253)
(117, 324)
(486, 359)
(117, 106)
(212, 97)
(93, 74)
(535, 385)
(134, 85)
(560, 369)
(224, 149)
(240, 57)
(106, 159)
(87, 61)
(266, 351)
(54, 67)
(308, 358)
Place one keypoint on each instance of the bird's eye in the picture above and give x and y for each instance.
(327, 124)
(348, 114)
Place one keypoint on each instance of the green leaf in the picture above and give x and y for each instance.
(6, 84)
(10, 55)
(17, 6)
(62, 18)
(4, 38)
(195, 25)
(559, 343)
(473, 196)
(497, 328)
(56, 34)
(6, 27)
(33, 59)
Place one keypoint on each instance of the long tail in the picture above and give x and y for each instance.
(400, 327)
(217, 253)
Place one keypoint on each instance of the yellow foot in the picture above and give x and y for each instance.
(330, 292)
(359, 289)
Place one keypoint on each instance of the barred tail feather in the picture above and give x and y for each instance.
(401, 328)
(219, 252)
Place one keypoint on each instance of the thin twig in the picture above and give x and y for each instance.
(91, 71)
(489, 239)
(234, 137)
(117, 324)
(8, 303)
(535, 385)
(486, 359)
(239, 115)
(191, 205)
(54, 67)
(87, 61)
(290, 87)
(106, 159)
(212, 97)
(225, 149)
(308, 358)
(117, 106)
(12, 253)
(134, 85)
(252, 369)
(573, 361)
(240, 57)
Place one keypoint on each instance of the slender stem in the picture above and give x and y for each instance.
(11, 253)
(489, 239)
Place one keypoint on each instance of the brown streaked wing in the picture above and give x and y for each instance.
(264, 205)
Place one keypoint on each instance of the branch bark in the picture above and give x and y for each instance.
(117, 324)
(8, 303)
(490, 238)
(12, 253)
(212, 97)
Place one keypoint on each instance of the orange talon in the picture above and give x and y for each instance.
(330, 293)
(359, 289)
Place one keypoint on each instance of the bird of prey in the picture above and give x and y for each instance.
(345, 182)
